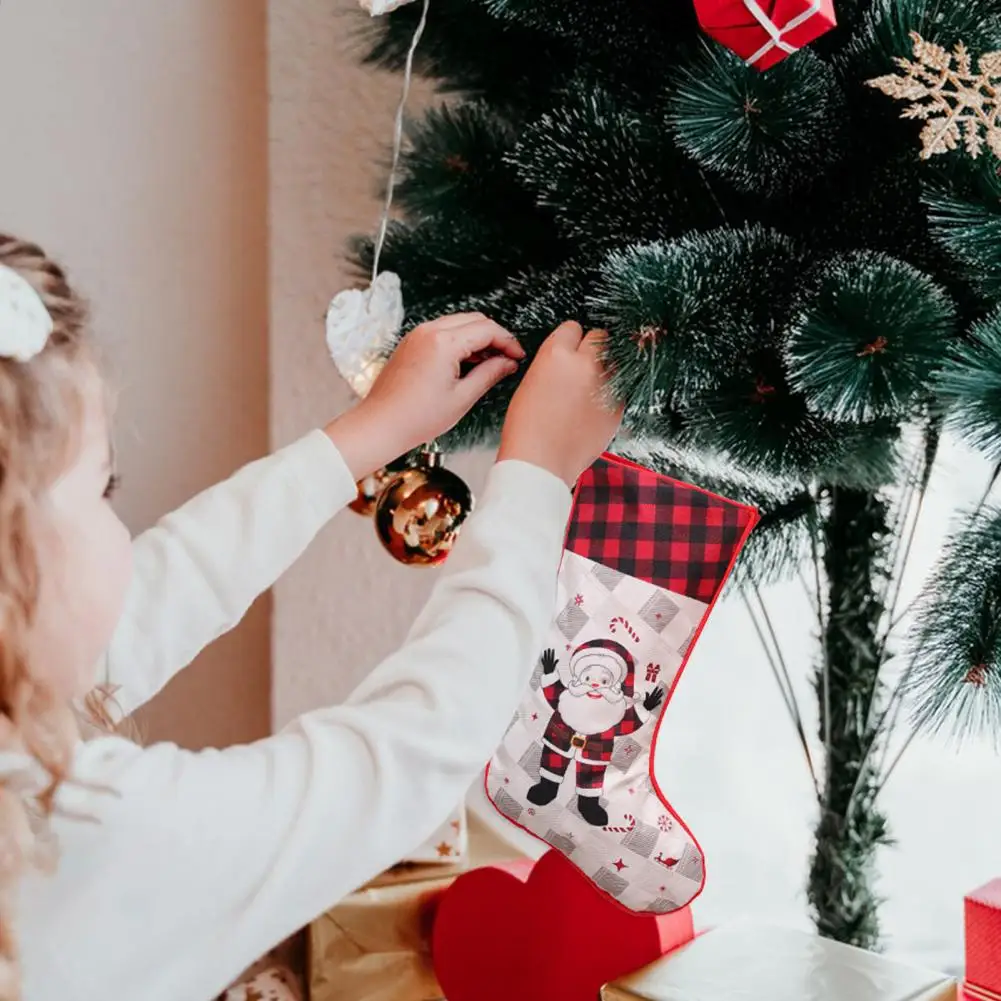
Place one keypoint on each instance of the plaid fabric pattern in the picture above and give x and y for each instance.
(630, 723)
(656, 529)
(590, 777)
(593, 747)
(552, 762)
(597, 747)
(552, 689)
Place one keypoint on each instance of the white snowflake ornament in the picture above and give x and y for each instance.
(362, 329)
(378, 7)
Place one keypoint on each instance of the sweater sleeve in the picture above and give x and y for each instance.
(241, 847)
(198, 571)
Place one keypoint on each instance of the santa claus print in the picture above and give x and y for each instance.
(594, 707)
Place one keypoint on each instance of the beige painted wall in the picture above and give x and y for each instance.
(346, 604)
(139, 157)
(135, 149)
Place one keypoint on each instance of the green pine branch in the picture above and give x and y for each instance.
(954, 647)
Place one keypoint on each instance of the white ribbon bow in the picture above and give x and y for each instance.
(775, 33)
(378, 7)
(25, 323)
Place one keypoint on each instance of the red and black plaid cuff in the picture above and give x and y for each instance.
(653, 528)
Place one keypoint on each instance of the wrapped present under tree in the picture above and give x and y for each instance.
(376, 944)
(983, 943)
(755, 961)
(542, 932)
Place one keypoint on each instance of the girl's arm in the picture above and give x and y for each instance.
(199, 570)
(202, 861)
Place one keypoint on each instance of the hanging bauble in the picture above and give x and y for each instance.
(362, 330)
(369, 489)
(420, 512)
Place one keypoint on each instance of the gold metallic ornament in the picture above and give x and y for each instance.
(957, 100)
(369, 490)
(420, 512)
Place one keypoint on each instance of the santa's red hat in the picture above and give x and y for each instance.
(610, 654)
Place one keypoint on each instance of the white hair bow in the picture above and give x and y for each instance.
(379, 7)
(25, 323)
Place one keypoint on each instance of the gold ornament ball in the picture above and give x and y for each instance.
(369, 490)
(419, 514)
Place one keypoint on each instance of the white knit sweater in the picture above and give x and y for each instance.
(200, 862)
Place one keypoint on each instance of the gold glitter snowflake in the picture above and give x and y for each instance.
(957, 105)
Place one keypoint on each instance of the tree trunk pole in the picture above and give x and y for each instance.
(850, 829)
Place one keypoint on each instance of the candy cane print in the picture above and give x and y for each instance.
(630, 820)
(613, 626)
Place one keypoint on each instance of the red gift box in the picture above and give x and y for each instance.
(542, 930)
(764, 32)
(983, 943)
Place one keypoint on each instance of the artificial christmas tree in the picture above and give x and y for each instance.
(798, 304)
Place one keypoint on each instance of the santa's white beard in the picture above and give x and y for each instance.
(590, 716)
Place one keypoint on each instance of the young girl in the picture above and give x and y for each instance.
(159, 874)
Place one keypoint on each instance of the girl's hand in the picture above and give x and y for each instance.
(561, 418)
(436, 374)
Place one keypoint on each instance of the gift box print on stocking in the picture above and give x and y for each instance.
(645, 559)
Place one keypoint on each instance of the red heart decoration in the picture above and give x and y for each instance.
(542, 932)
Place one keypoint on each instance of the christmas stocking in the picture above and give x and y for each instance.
(646, 557)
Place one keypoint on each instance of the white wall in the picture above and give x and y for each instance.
(346, 604)
(134, 149)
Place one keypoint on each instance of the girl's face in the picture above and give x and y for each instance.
(85, 561)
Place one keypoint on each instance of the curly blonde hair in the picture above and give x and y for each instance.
(41, 402)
